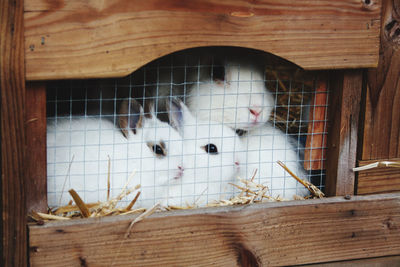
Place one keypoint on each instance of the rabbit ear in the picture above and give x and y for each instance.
(179, 115)
(218, 70)
(149, 109)
(175, 113)
(130, 116)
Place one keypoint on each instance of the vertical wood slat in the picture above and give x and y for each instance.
(315, 150)
(14, 233)
(344, 112)
(36, 182)
(381, 134)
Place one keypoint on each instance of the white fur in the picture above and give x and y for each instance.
(188, 175)
(264, 147)
(230, 101)
(90, 141)
(207, 176)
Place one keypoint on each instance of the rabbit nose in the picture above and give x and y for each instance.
(180, 172)
(255, 112)
(237, 165)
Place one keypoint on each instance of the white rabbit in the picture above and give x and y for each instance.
(78, 151)
(216, 85)
(210, 160)
(238, 99)
(265, 146)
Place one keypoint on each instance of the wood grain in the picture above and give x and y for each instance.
(379, 180)
(270, 234)
(381, 134)
(344, 113)
(112, 38)
(35, 171)
(372, 262)
(315, 150)
(13, 210)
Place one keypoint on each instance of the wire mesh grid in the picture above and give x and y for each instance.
(188, 154)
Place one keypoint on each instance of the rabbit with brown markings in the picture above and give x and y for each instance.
(215, 84)
(236, 97)
(79, 150)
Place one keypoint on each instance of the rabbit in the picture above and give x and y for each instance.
(265, 146)
(210, 161)
(215, 84)
(237, 97)
(78, 151)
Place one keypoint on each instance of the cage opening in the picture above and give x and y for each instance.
(84, 120)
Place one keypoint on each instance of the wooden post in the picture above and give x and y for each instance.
(381, 109)
(36, 182)
(381, 135)
(344, 109)
(14, 231)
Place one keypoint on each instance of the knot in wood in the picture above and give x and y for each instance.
(392, 32)
(369, 5)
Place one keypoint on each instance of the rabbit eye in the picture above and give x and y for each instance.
(211, 149)
(159, 150)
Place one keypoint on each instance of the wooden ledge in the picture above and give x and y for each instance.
(285, 233)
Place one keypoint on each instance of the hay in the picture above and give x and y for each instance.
(250, 192)
(378, 164)
(294, 88)
(315, 192)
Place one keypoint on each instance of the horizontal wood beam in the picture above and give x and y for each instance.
(370, 262)
(270, 234)
(378, 180)
(112, 38)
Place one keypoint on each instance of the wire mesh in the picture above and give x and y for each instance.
(86, 145)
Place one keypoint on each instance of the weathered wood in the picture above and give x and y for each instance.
(270, 234)
(315, 150)
(378, 180)
(13, 211)
(374, 262)
(35, 170)
(87, 39)
(381, 135)
(344, 108)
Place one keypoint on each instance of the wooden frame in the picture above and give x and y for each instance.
(115, 37)
(357, 228)
(13, 223)
(271, 234)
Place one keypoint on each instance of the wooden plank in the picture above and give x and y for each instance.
(35, 170)
(112, 38)
(315, 150)
(378, 180)
(13, 211)
(374, 262)
(343, 115)
(269, 234)
(381, 135)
